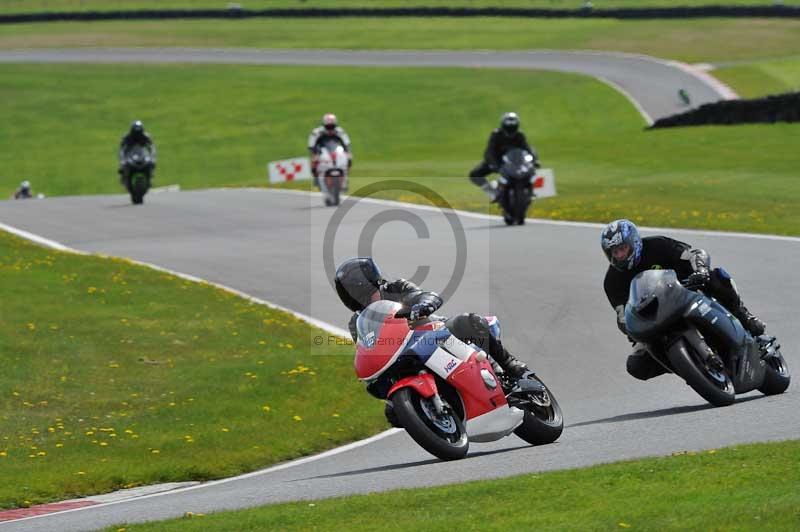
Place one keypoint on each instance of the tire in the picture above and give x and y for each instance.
(138, 188)
(521, 208)
(543, 423)
(777, 377)
(410, 410)
(718, 391)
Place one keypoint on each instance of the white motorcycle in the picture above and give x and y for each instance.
(333, 163)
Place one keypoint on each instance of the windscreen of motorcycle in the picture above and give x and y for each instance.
(517, 164)
(381, 338)
(655, 301)
(139, 155)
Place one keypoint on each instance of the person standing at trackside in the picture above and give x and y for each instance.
(502, 139)
(630, 254)
(328, 129)
(136, 136)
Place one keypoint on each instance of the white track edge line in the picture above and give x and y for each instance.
(542, 221)
(61, 247)
(312, 321)
(272, 469)
(629, 96)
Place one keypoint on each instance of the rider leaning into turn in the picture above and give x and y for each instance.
(502, 139)
(630, 254)
(136, 136)
(329, 128)
(359, 282)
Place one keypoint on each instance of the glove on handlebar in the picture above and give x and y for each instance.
(421, 310)
(699, 278)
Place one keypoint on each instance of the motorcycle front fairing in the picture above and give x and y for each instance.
(656, 302)
(467, 369)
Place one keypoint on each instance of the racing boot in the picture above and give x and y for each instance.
(491, 190)
(754, 326)
(510, 364)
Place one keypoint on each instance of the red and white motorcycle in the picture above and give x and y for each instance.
(444, 392)
(333, 163)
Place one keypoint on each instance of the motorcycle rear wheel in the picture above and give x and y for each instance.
(543, 422)
(713, 385)
(445, 438)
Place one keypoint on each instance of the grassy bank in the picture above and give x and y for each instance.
(689, 40)
(753, 487)
(115, 375)
(219, 125)
(758, 78)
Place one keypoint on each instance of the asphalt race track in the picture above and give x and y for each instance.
(651, 84)
(543, 280)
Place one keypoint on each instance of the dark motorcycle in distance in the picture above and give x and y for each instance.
(515, 185)
(695, 337)
(138, 171)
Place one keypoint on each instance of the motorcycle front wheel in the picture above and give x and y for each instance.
(776, 377)
(444, 436)
(713, 384)
(543, 422)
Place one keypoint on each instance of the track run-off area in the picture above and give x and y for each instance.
(543, 280)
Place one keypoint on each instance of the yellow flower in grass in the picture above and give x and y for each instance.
(297, 418)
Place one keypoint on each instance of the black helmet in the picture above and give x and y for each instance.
(509, 124)
(137, 128)
(622, 233)
(357, 280)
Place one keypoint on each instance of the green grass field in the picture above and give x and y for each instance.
(28, 6)
(757, 78)
(115, 375)
(753, 487)
(688, 40)
(219, 125)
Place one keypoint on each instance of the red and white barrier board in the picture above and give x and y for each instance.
(545, 184)
(289, 170)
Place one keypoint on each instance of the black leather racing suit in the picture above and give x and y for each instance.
(660, 252)
(499, 143)
(129, 141)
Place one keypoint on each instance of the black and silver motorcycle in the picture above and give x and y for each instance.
(138, 172)
(515, 185)
(695, 337)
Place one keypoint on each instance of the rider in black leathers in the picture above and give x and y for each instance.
(501, 140)
(630, 254)
(359, 282)
(136, 136)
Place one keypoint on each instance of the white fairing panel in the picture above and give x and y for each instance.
(443, 363)
(494, 425)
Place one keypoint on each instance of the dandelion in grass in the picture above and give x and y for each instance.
(297, 418)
